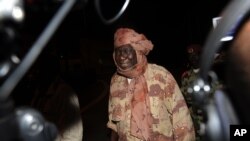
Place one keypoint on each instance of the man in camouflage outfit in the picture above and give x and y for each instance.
(187, 78)
(145, 102)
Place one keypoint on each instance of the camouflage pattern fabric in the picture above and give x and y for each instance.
(187, 79)
(171, 116)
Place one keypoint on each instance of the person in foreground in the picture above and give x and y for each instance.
(145, 102)
(57, 100)
(238, 73)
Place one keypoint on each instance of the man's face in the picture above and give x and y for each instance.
(193, 57)
(125, 57)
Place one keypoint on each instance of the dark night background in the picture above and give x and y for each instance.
(171, 26)
(84, 45)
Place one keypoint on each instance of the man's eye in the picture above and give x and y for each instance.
(117, 52)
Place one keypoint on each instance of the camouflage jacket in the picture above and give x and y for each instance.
(172, 120)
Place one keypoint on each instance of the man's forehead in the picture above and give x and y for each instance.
(127, 46)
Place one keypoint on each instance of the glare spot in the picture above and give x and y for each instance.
(189, 90)
(18, 13)
(197, 88)
(15, 59)
(206, 88)
(227, 38)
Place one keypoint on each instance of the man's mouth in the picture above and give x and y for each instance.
(124, 64)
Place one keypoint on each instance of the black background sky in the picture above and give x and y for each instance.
(170, 25)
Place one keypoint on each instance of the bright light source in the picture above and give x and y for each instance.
(15, 59)
(197, 88)
(189, 90)
(206, 88)
(215, 21)
(4, 69)
(18, 13)
(227, 38)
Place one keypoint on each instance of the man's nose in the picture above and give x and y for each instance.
(124, 55)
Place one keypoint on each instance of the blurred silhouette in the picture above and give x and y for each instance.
(219, 63)
(238, 73)
(56, 100)
(192, 69)
(191, 73)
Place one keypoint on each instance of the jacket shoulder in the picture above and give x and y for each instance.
(158, 68)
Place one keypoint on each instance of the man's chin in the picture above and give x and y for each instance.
(126, 68)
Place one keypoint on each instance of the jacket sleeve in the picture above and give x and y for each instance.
(183, 128)
(110, 123)
(111, 108)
